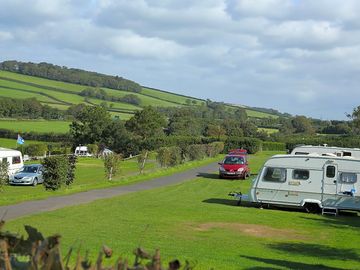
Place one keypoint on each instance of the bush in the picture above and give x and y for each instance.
(4, 174)
(214, 148)
(36, 150)
(195, 151)
(250, 144)
(72, 159)
(111, 165)
(169, 156)
(55, 171)
(93, 149)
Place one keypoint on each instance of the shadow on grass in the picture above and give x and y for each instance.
(342, 221)
(230, 202)
(317, 250)
(289, 264)
(208, 175)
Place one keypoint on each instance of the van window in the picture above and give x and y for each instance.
(330, 171)
(16, 160)
(348, 178)
(275, 174)
(301, 174)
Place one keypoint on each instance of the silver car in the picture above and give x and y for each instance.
(29, 175)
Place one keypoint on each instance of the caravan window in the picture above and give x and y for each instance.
(301, 153)
(348, 178)
(301, 174)
(275, 174)
(330, 171)
(346, 154)
(16, 160)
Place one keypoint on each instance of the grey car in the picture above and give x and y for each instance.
(29, 175)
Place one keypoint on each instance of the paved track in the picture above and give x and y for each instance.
(53, 203)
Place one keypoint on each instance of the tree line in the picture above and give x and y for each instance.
(71, 75)
(103, 95)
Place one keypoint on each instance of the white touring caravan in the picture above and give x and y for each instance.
(326, 150)
(13, 157)
(82, 151)
(312, 182)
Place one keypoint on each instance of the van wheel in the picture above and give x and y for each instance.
(312, 208)
(35, 182)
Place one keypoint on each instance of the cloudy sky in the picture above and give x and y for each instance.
(297, 56)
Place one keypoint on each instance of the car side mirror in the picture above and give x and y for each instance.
(220, 163)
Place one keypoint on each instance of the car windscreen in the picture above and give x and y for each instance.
(234, 160)
(30, 169)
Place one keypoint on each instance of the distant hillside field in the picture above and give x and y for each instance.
(37, 126)
(61, 95)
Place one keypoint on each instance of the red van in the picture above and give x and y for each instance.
(235, 165)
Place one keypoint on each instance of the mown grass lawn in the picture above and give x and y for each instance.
(90, 175)
(197, 221)
(11, 143)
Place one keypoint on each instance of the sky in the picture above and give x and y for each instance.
(297, 56)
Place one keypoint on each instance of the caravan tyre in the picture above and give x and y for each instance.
(312, 208)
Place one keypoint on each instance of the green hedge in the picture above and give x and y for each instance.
(252, 145)
(273, 146)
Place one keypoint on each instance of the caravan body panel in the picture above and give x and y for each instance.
(293, 180)
(13, 157)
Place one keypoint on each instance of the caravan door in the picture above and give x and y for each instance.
(329, 188)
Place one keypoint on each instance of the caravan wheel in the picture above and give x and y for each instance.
(313, 208)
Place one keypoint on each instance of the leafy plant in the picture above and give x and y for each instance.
(55, 172)
(72, 159)
(111, 165)
(4, 176)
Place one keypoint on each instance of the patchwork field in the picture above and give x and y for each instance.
(197, 221)
(61, 94)
(35, 125)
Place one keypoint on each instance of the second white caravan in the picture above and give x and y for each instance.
(308, 181)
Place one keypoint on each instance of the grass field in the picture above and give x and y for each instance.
(35, 125)
(11, 143)
(252, 113)
(197, 221)
(90, 175)
(269, 130)
(28, 86)
(169, 96)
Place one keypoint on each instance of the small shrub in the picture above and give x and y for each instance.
(93, 149)
(273, 146)
(71, 169)
(214, 148)
(169, 156)
(55, 171)
(111, 165)
(36, 150)
(4, 174)
(142, 160)
(196, 151)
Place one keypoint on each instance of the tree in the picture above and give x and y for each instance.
(111, 165)
(90, 126)
(142, 157)
(215, 131)
(147, 123)
(302, 124)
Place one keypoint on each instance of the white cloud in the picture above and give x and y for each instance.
(285, 54)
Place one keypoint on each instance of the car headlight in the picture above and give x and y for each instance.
(222, 169)
(240, 169)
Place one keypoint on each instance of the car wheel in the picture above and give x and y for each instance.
(35, 182)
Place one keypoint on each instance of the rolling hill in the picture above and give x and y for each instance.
(61, 95)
